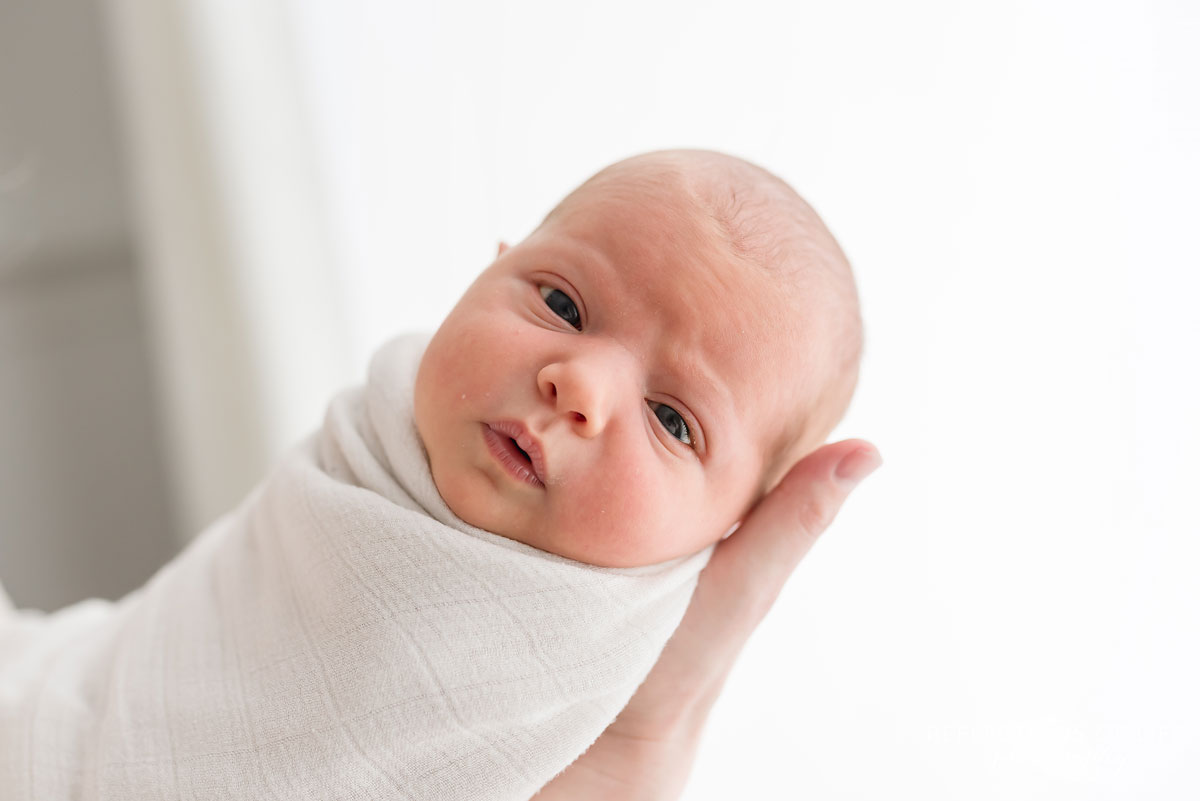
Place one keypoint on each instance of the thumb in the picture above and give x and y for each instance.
(750, 567)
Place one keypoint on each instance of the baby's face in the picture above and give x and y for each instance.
(613, 388)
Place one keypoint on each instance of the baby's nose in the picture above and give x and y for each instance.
(584, 396)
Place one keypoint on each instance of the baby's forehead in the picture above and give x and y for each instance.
(654, 221)
(724, 201)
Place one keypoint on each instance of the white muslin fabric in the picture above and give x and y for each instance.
(340, 635)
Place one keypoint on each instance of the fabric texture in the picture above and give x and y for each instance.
(340, 635)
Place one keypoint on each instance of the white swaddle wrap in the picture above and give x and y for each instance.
(340, 635)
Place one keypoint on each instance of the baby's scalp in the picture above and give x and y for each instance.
(768, 226)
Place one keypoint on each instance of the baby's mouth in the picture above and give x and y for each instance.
(518, 450)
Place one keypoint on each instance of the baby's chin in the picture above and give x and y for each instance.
(580, 541)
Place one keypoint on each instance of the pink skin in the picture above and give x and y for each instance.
(669, 316)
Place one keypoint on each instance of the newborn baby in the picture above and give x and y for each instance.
(455, 585)
(623, 385)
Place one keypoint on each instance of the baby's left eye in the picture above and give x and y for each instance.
(672, 421)
(561, 304)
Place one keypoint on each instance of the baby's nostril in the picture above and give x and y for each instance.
(579, 417)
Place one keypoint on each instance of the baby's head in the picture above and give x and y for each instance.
(622, 386)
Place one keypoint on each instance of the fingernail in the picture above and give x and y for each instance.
(857, 465)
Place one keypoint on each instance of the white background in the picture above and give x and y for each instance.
(1008, 608)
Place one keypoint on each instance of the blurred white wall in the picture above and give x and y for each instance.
(84, 506)
(243, 299)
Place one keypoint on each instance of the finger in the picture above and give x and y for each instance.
(748, 570)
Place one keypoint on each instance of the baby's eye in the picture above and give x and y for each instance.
(561, 304)
(672, 421)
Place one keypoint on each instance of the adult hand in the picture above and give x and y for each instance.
(647, 752)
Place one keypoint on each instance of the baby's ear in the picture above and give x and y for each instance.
(500, 250)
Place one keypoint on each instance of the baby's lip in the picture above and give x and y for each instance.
(526, 441)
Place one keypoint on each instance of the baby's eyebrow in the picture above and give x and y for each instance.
(582, 253)
(697, 378)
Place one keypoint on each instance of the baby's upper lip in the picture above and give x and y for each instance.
(526, 441)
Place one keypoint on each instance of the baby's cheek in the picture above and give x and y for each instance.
(620, 520)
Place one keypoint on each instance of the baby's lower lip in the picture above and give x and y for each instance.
(510, 457)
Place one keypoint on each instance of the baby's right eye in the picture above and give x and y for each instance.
(561, 304)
